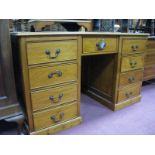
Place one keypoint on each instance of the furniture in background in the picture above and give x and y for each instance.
(149, 64)
(143, 26)
(9, 106)
(136, 25)
(124, 24)
(50, 71)
(107, 25)
(18, 25)
(60, 25)
(103, 25)
(37, 25)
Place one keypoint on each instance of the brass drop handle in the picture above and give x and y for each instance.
(131, 79)
(128, 94)
(53, 117)
(137, 46)
(58, 73)
(56, 99)
(134, 47)
(133, 64)
(57, 52)
(101, 44)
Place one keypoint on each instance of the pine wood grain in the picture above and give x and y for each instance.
(132, 62)
(89, 44)
(129, 92)
(39, 75)
(129, 45)
(41, 99)
(37, 51)
(43, 119)
(130, 77)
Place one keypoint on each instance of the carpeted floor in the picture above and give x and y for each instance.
(137, 119)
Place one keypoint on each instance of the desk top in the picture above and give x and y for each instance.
(59, 20)
(76, 33)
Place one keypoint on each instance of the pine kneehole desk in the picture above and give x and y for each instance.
(52, 69)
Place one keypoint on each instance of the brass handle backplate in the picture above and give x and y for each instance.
(134, 47)
(128, 94)
(131, 79)
(55, 120)
(58, 73)
(56, 99)
(57, 52)
(101, 44)
(133, 64)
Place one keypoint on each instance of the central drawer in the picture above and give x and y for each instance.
(55, 116)
(92, 44)
(51, 75)
(51, 51)
(132, 63)
(53, 96)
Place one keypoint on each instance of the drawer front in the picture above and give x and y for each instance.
(133, 45)
(130, 92)
(149, 59)
(55, 116)
(99, 44)
(132, 63)
(53, 96)
(50, 75)
(130, 77)
(51, 51)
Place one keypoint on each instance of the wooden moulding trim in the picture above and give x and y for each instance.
(59, 127)
(127, 103)
(100, 99)
(76, 33)
(26, 84)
